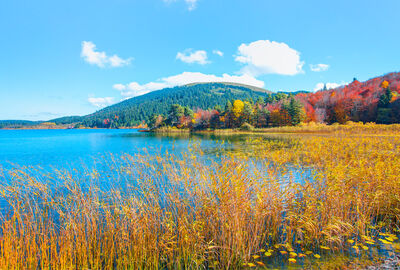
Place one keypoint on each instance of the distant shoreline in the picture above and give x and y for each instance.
(62, 128)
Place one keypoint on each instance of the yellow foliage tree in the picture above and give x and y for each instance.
(385, 84)
(237, 108)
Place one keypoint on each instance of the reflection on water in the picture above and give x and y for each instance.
(72, 148)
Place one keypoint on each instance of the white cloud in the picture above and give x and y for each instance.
(191, 4)
(218, 52)
(197, 57)
(269, 57)
(319, 67)
(321, 85)
(101, 102)
(119, 86)
(135, 89)
(100, 59)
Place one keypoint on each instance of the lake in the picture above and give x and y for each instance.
(61, 148)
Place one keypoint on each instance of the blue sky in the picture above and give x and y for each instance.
(73, 57)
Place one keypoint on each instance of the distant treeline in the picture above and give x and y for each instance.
(274, 110)
(140, 109)
(17, 123)
(354, 102)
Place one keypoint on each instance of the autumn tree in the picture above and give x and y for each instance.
(156, 121)
(237, 108)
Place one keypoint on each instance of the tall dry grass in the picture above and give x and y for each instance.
(190, 212)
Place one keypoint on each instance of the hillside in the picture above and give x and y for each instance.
(202, 95)
(376, 100)
(357, 101)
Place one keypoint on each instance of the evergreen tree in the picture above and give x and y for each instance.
(247, 113)
(384, 113)
(218, 108)
(175, 113)
(269, 99)
(228, 106)
(188, 112)
(260, 101)
(385, 98)
(295, 110)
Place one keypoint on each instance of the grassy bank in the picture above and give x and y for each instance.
(248, 209)
(356, 128)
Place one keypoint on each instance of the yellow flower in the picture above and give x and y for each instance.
(384, 241)
(317, 256)
(291, 260)
(293, 254)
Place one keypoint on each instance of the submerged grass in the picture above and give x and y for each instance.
(244, 209)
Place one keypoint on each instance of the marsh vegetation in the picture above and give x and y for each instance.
(297, 201)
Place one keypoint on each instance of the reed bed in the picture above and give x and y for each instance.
(281, 201)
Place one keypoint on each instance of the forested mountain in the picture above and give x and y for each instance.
(375, 100)
(195, 96)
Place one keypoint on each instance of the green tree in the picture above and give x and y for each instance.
(295, 110)
(175, 112)
(268, 99)
(155, 121)
(218, 108)
(247, 113)
(384, 116)
(260, 101)
(385, 98)
(188, 112)
(228, 106)
(384, 113)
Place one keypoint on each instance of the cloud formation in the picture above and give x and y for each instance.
(218, 52)
(269, 57)
(101, 102)
(329, 85)
(135, 89)
(190, 57)
(100, 59)
(191, 4)
(319, 67)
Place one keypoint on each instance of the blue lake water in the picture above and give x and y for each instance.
(60, 148)
(83, 149)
